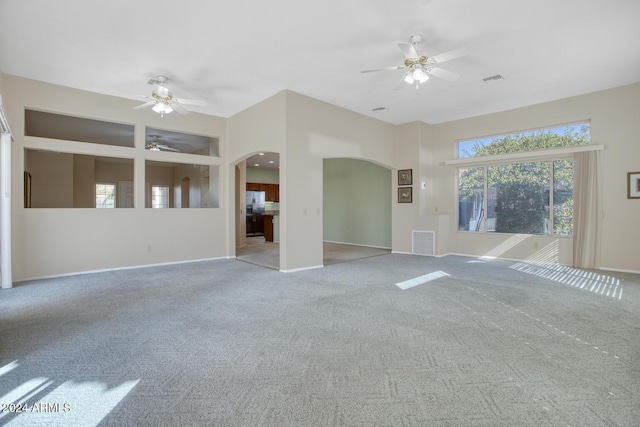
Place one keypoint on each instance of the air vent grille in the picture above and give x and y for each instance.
(493, 79)
(423, 242)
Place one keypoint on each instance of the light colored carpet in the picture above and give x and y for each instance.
(227, 343)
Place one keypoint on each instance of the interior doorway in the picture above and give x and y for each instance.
(258, 210)
(356, 209)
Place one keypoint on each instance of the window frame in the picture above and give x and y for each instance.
(544, 130)
(168, 196)
(485, 196)
(115, 195)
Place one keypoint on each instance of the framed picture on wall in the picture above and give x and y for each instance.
(405, 194)
(405, 177)
(633, 185)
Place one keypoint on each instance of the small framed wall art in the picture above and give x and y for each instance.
(633, 185)
(405, 194)
(405, 177)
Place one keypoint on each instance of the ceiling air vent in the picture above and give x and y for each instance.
(493, 79)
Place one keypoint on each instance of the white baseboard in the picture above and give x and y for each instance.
(294, 270)
(620, 270)
(356, 244)
(131, 267)
(426, 256)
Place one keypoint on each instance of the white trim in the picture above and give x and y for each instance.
(535, 154)
(4, 122)
(357, 244)
(295, 270)
(132, 267)
(401, 252)
(6, 275)
(619, 270)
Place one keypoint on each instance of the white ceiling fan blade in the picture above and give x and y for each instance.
(444, 74)
(402, 83)
(145, 105)
(166, 147)
(452, 54)
(179, 108)
(191, 101)
(408, 50)
(383, 69)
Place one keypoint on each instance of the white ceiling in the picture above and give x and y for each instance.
(235, 53)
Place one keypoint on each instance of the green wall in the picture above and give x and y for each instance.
(263, 176)
(357, 203)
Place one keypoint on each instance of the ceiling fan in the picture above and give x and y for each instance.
(419, 66)
(157, 146)
(163, 102)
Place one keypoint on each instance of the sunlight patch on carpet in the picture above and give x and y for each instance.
(421, 280)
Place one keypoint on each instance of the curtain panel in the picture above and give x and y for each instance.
(587, 197)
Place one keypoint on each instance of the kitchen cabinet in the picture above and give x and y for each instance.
(271, 191)
(268, 228)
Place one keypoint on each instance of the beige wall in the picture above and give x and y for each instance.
(614, 122)
(315, 131)
(303, 131)
(49, 242)
(259, 128)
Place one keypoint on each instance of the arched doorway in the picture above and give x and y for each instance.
(357, 210)
(258, 210)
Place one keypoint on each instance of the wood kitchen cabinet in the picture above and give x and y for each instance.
(271, 191)
(268, 228)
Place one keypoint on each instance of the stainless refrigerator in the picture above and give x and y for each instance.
(255, 213)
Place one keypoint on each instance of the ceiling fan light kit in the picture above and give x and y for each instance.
(419, 67)
(162, 101)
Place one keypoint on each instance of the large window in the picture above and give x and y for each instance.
(519, 196)
(529, 198)
(559, 136)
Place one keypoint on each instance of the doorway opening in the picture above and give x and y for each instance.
(356, 210)
(258, 210)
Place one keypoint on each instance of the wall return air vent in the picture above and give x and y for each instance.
(423, 243)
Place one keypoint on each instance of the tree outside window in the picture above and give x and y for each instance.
(528, 197)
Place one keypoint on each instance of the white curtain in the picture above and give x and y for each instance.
(586, 209)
